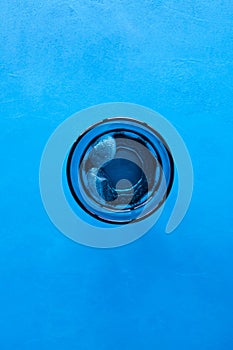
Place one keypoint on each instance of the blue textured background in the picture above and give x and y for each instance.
(161, 292)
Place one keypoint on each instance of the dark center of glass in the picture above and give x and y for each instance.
(114, 172)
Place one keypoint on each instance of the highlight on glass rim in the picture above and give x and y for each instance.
(107, 172)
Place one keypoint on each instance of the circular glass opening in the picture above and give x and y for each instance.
(120, 170)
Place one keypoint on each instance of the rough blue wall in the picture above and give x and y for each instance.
(162, 292)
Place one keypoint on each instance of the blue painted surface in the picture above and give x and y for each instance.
(161, 292)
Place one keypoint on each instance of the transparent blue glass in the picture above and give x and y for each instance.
(120, 170)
